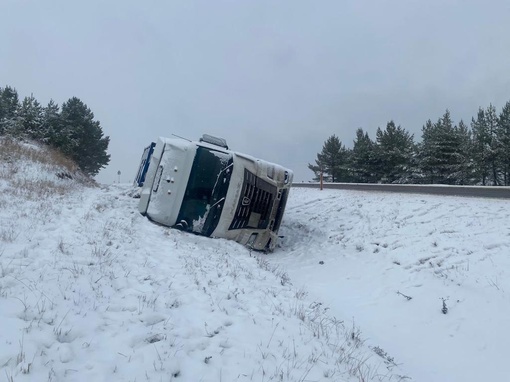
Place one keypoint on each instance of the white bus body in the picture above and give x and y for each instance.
(212, 191)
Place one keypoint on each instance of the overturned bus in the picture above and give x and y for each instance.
(205, 188)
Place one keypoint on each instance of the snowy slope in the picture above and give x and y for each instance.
(92, 291)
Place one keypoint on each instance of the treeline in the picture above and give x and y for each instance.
(70, 129)
(478, 154)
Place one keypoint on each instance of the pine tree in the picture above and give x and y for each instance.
(445, 152)
(427, 153)
(485, 146)
(81, 137)
(332, 161)
(466, 165)
(51, 124)
(29, 119)
(481, 141)
(363, 158)
(9, 106)
(2, 107)
(395, 153)
(494, 160)
(503, 136)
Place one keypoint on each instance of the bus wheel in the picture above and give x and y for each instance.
(182, 225)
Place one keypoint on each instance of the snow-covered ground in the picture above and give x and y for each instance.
(378, 248)
(92, 291)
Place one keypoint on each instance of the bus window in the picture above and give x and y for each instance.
(206, 191)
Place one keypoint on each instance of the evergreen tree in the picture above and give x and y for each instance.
(466, 165)
(81, 137)
(486, 147)
(363, 158)
(503, 136)
(395, 153)
(481, 141)
(441, 151)
(332, 161)
(29, 119)
(494, 147)
(51, 127)
(427, 151)
(9, 106)
(2, 107)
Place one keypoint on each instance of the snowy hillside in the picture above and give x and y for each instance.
(92, 291)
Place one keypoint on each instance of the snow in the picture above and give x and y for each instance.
(90, 290)
(430, 248)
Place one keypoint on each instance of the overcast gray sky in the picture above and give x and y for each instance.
(275, 78)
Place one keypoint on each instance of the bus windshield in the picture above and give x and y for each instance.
(206, 191)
